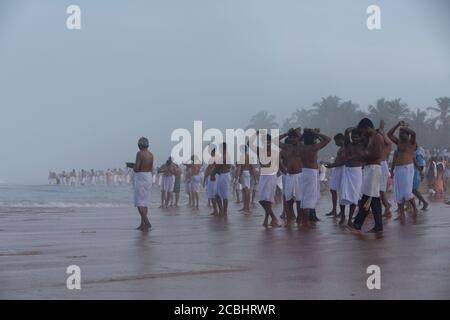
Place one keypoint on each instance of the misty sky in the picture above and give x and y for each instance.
(80, 99)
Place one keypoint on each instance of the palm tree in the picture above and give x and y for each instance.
(263, 120)
(298, 118)
(421, 125)
(443, 118)
(391, 111)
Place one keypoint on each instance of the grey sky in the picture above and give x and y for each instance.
(80, 99)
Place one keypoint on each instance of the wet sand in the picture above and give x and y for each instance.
(191, 255)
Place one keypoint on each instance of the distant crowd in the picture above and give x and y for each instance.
(110, 177)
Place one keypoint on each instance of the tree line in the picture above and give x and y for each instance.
(332, 115)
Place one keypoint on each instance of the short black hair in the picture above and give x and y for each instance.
(339, 136)
(365, 123)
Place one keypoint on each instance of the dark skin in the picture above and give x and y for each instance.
(144, 163)
(267, 205)
(406, 153)
(246, 166)
(208, 171)
(386, 151)
(338, 161)
(354, 154)
(221, 168)
(292, 164)
(309, 158)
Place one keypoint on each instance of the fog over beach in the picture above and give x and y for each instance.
(81, 99)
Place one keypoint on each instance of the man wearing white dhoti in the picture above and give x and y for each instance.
(210, 184)
(142, 182)
(337, 168)
(352, 174)
(245, 170)
(268, 159)
(168, 171)
(292, 165)
(404, 166)
(370, 188)
(222, 170)
(313, 141)
(385, 174)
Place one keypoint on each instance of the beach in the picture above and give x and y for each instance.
(192, 255)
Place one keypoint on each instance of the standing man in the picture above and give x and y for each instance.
(404, 166)
(387, 146)
(419, 165)
(313, 141)
(370, 189)
(143, 169)
(221, 174)
(336, 173)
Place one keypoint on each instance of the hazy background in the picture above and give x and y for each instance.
(80, 99)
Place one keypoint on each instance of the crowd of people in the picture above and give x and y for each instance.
(365, 168)
(110, 177)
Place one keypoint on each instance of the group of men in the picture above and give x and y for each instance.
(358, 180)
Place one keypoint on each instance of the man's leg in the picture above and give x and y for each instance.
(350, 215)
(334, 201)
(375, 205)
(305, 218)
(266, 214)
(419, 196)
(362, 213)
(342, 214)
(290, 215)
(386, 204)
(219, 205)
(163, 196)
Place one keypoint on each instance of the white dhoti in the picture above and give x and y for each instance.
(384, 176)
(292, 187)
(371, 180)
(310, 188)
(196, 182)
(336, 178)
(267, 187)
(223, 185)
(351, 183)
(142, 183)
(211, 188)
(403, 183)
(167, 183)
(244, 179)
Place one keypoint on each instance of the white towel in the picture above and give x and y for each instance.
(167, 183)
(403, 183)
(336, 178)
(244, 179)
(351, 185)
(223, 185)
(384, 176)
(310, 188)
(196, 183)
(371, 180)
(292, 187)
(211, 188)
(267, 187)
(141, 184)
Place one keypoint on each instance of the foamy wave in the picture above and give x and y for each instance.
(59, 205)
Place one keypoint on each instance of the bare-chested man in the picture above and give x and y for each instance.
(310, 185)
(404, 166)
(336, 173)
(210, 184)
(352, 176)
(221, 174)
(370, 189)
(143, 169)
(196, 181)
(269, 165)
(168, 171)
(292, 161)
(244, 172)
(387, 146)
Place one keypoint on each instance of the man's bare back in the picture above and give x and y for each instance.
(144, 161)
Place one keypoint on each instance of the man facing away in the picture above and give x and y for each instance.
(143, 168)
(404, 166)
(385, 171)
(310, 185)
(336, 173)
(370, 189)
